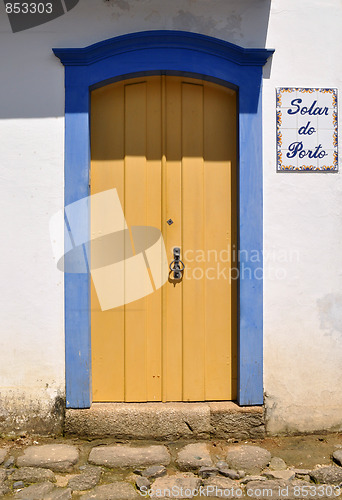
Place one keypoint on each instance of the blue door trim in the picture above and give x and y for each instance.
(178, 53)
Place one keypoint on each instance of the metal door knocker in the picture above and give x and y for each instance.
(176, 271)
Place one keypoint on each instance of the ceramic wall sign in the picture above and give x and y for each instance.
(307, 129)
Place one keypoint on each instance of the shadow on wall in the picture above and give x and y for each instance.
(33, 79)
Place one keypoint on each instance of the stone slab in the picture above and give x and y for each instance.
(251, 459)
(277, 463)
(206, 472)
(43, 491)
(33, 475)
(230, 473)
(59, 494)
(328, 475)
(57, 457)
(35, 492)
(175, 487)
(166, 421)
(286, 475)
(85, 481)
(9, 462)
(140, 420)
(114, 491)
(142, 483)
(18, 484)
(154, 471)
(337, 456)
(265, 489)
(3, 453)
(228, 420)
(129, 456)
(194, 456)
(222, 487)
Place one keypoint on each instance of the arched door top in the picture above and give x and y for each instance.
(163, 40)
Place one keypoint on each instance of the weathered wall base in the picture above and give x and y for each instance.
(21, 414)
(167, 421)
(283, 420)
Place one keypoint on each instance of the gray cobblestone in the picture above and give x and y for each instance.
(114, 491)
(33, 475)
(59, 457)
(175, 487)
(135, 470)
(129, 456)
(252, 459)
(87, 480)
(35, 492)
(193, 456)
(3, 453)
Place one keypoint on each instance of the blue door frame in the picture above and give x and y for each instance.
(188, 54)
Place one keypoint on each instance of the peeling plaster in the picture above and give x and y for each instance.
(39, 413)
(238, 21)
(186, 20)
(153, 17)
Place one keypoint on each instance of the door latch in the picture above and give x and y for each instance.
(177, 270)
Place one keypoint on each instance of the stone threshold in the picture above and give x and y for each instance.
(167, 421)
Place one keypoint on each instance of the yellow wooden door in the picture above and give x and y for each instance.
(168, 146)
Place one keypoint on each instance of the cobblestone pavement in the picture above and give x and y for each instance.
(34, 468)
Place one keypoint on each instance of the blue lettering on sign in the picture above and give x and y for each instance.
(306, 130)
(297, 148)
(303, 110)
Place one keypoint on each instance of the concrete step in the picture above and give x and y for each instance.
(167, 421)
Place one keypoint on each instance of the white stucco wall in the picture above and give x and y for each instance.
(302, 216)
(302, 212)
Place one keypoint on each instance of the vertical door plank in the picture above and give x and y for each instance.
(172, 208)
(135, 212)
(219, 153)
(107, 172)
(153, 218)
(193, 240)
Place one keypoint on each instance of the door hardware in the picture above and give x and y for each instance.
(176, 269)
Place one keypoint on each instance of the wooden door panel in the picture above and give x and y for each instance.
(172, 208)
(168, 145)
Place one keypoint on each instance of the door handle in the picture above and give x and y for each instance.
(177, 270)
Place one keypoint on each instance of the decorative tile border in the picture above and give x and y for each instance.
(307, 130)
